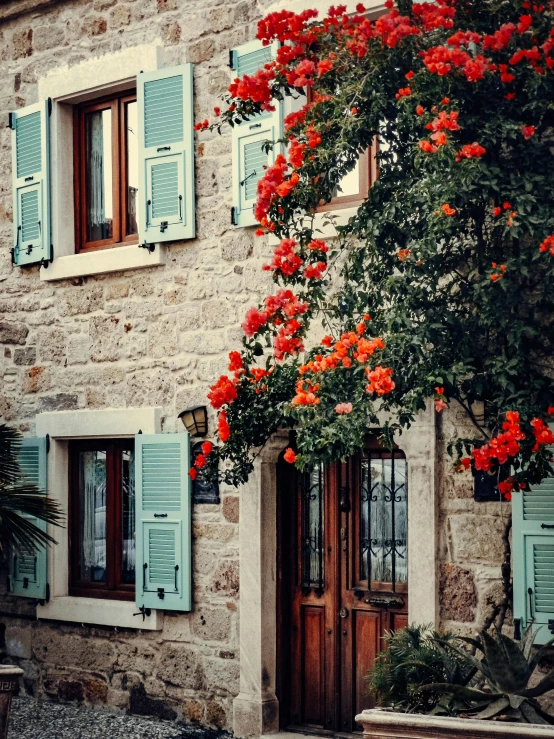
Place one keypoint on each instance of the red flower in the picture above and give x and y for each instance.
(380, 380)
(497, 211)
(403, 92)
(440, 405)
(193, 474)
(223, 428)
(548, 245)
(207, 448)
(439, 390)
(289, 456)
(315, 271)
(318, 245)
(420, 110)
(217, 110)
(222, 393)
(235, 361)
(200, 461)
(409, 74)
(527, 132)
(285, 259)
(403, 254)
(202, 126)
(470, 150)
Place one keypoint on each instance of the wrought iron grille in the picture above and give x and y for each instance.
(384, 517)
(313, 575)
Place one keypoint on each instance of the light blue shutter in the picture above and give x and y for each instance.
(31, 184)
(163, 525)
(249, 157)
(166, 155)
(533, 557)
(29, 568)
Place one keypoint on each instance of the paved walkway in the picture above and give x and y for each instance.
(32, 719)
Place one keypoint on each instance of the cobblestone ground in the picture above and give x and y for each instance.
(32, 719)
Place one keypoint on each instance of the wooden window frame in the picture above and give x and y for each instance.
(113, 588)
(117, 104)
(367, 176)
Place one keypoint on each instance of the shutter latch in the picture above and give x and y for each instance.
(144, 612)
(161, 593)
(163, 226)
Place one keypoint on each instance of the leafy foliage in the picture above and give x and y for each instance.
(507, 667)
(19, 499)
(413, 659)
(451, 253)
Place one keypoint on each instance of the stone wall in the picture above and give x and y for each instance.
(150, 337)
(158, 337)
(470, 545)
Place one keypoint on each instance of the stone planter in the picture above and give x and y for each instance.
(9, 683)
(385, 724)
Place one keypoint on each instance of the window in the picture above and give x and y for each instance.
(106, 172)
(354, 186)
(102, 516)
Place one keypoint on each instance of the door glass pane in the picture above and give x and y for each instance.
(98, 174)
(384, 520)
(131, 123)
(312, 528)
(128, 516)
(92, 509)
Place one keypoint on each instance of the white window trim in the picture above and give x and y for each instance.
(62, 426)
(66, 86)
(322, 6)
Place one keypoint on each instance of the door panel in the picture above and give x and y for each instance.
(344, 559)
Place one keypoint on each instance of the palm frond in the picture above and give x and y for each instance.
(10, 443)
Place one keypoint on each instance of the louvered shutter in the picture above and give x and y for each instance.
(28, 569)
(31, 184)
(249, 137)
(533, 557)
(163, 525)
(166, 155)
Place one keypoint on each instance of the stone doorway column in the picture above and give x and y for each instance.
(256, 708)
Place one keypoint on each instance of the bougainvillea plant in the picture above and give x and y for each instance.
(441, 286)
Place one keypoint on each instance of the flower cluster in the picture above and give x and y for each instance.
(548, 245)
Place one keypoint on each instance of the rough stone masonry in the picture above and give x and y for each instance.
(158, 337)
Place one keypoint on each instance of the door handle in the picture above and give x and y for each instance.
(384, 602)
(343, 613)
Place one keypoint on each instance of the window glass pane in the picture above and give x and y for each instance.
(350, 183)
(98, 174)
(312, 528)
(92, 508)
(128, 516)
(131, 122)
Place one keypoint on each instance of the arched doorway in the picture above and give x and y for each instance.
(343, 544)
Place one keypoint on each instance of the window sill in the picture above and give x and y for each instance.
(99, 612)
(102, 261)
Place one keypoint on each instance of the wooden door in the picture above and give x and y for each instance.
(344, 584)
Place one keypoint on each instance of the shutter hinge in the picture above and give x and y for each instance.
(232, 63)
(11, 121)
(49, 106)
(47, 443)
(149, 247)
(234, 219)
(42, 601)
(517, 629)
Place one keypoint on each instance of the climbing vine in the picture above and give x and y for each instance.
(441, 286)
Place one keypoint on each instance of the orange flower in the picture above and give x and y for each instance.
(447, 210)
(289, 456)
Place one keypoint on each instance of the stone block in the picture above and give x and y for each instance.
(59, 402)
(94, 26)
(106, 336)
(217, 314)
(201, 51)
(476, 538)
(18, 642)
(149, 387)
(100, 5)
(171, 32)
(216, 715)
(52, 345)
(78, 350)
(211, 624)
(165, 5)
(79, 300)
(70, 691)
(204, 342)
(13, 333)
(226, 578)
(22, 43)
(231, 507)
(120, 16)
(179, 666)
(48, 36)
(37, 379)
(193, 710)
(96, 691)
(222, 675)
(457, 594)
(162, 338)
(25, 357)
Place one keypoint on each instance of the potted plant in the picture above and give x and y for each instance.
(19, 500)
(474, 697)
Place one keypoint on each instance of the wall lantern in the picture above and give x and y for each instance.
(195, 420)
